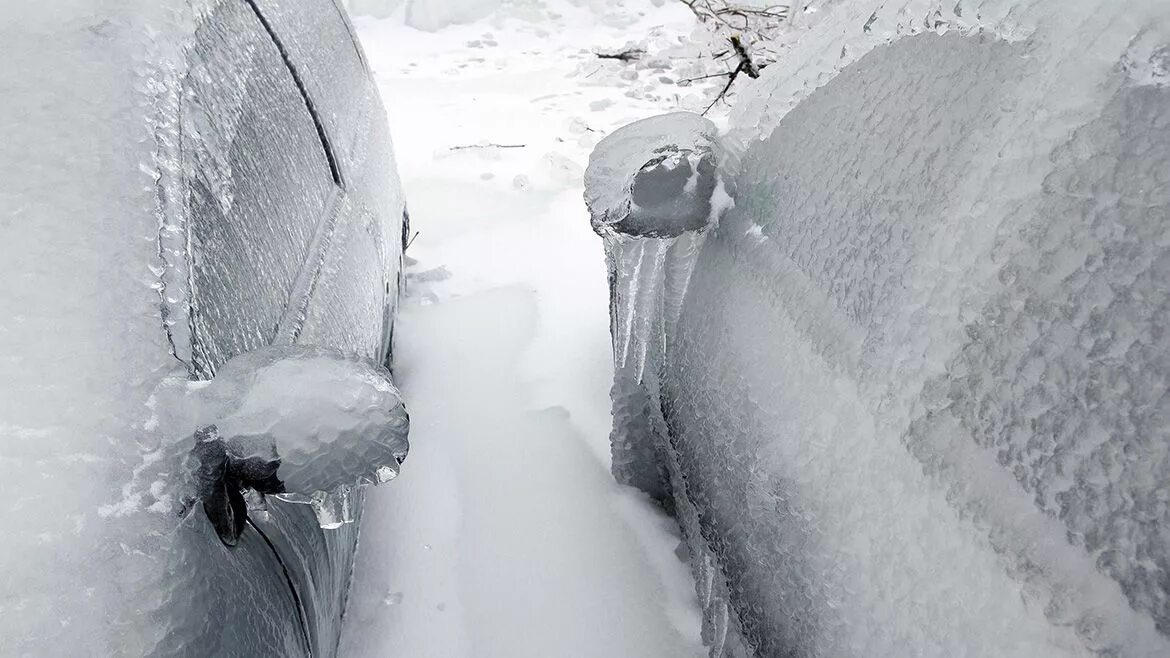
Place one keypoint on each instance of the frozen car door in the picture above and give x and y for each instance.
(357, 286)
(262, 188)
(261, 184)
(292, 194)
(345, 294)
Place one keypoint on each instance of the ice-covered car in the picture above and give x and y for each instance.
(909, 395)
(184, 182)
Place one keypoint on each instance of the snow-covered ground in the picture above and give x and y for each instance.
(505, 535)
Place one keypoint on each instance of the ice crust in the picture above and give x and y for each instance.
(651, 192)
(320, 421)
(916, 395)
(654, 178)
(117, 151)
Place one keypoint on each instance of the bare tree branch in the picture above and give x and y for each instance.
(747, 29)
(727, 87)
(722, 12)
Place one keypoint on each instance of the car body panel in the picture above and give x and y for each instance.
(914, 400)
(888, 380)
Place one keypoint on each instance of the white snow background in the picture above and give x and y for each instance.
(505, 535)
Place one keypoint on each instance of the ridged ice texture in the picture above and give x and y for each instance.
(106, 190)
(354, 286)
(649, 189)
(259, 186)
(917, 388)
(654, 177)
(331, 419)
(672, 161)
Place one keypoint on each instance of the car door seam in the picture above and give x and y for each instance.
(302, 615)
(288, 329)
(326, 145)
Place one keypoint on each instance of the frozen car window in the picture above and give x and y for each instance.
(350, 294)
(353, 295)
(333, 76)
(259, 182)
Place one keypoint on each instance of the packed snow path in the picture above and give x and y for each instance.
(505, 535)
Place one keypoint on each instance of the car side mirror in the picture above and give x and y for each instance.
(657, 178)
(304, 424)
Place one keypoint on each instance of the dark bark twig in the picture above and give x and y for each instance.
(704, 77)
(628, 55)
(487, 146)
(723, 92)
(745, 60)
(746, 66)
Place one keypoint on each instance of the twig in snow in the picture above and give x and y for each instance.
(410, 241)
(627, 55)
(487, 146)
(686, 81)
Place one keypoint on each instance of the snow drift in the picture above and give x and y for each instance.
(426, 15)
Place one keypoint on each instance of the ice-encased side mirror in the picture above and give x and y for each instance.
(305, 424)
(656, 178)
(654, 189)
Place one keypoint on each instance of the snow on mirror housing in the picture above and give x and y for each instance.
(305, 424)
(655, 178)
